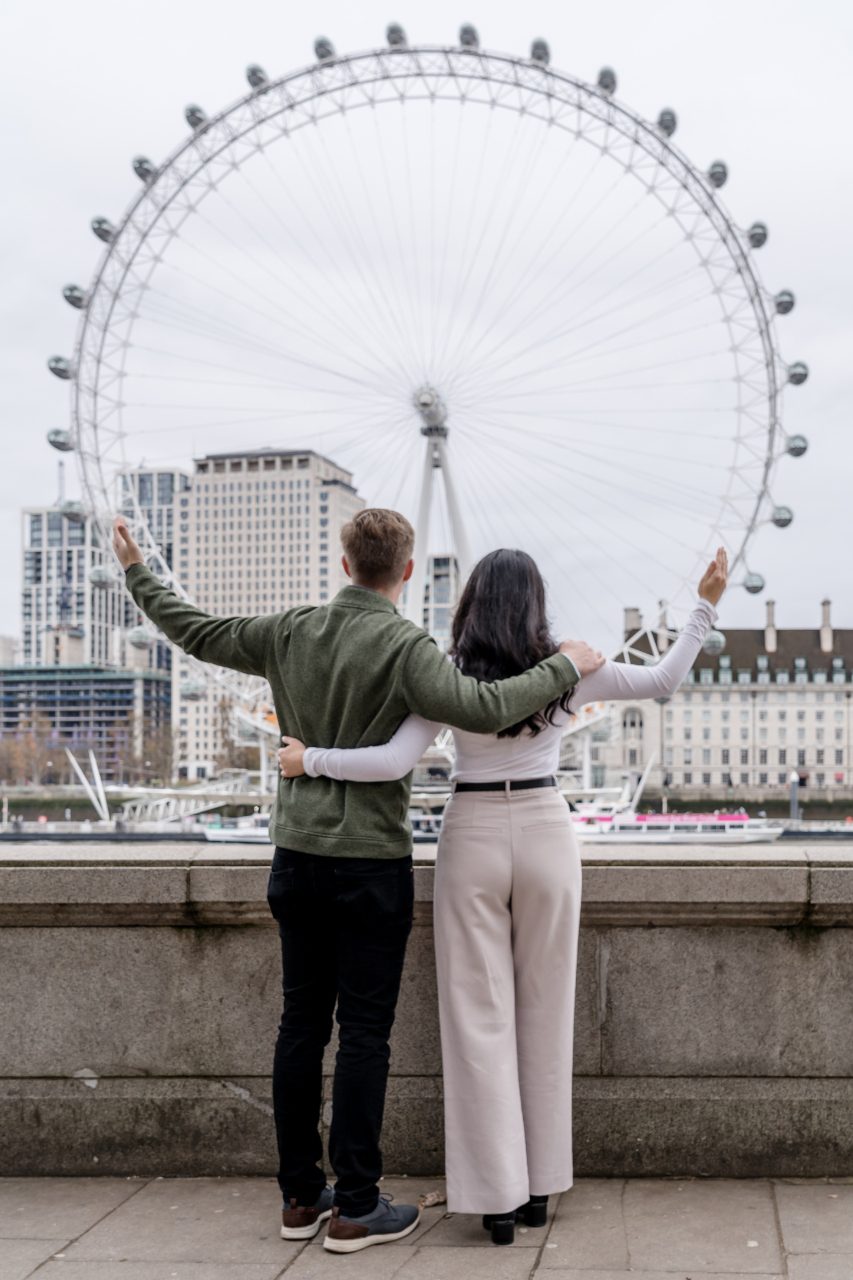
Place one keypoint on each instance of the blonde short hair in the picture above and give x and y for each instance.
(378, 545)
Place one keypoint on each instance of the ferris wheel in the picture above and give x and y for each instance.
(510, 305)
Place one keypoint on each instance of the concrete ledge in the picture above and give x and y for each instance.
(140, 991)
(630, 1127)
(185, 885)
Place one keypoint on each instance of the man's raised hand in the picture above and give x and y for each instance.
(715, 577)
(126, 549)
(291, 757)
(585, 658)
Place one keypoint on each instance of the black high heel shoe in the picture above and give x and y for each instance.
(534, 1213)
(501, 1225)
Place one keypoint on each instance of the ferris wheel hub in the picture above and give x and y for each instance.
(433, 411)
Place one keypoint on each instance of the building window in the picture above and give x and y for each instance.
(744, 756)
(725, 755)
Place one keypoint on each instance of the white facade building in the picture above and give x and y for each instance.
(257, 532)
(774, 701)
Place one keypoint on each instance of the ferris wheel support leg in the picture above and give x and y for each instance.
(586, 761)
(264, 763)
(454, 511)
(415, 599)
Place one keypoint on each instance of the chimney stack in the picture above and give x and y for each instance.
(826, 627)
(770, 628)
(633, 621)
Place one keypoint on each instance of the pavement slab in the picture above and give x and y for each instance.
(595, 1274)
(820, 1266)
(380, 1262)
(702, 1226)
(588, 1229)
(66, 1270)
(464, 1263)
(54, 1208)
(210, 1220)
(18, 1258)
(817, 1218)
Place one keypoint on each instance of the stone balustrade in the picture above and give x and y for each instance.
(140, 992)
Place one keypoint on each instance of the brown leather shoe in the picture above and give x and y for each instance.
(301, 1221)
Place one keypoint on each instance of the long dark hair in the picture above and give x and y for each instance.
(500, 628)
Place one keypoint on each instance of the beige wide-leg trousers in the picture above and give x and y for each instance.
(507, 910)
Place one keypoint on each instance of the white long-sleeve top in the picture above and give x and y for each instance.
(484, 757)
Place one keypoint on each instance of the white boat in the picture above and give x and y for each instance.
(602, 820)
(251, 830)
(675, 828)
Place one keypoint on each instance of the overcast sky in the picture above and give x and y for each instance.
(764, 86)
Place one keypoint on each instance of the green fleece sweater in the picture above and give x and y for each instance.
(346, 674)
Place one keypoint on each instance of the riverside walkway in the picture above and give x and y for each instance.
(604, 1229)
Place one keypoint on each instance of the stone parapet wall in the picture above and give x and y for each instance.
(140, 992)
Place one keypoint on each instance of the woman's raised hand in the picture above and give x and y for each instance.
(715, 577)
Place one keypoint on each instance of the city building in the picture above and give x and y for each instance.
(65, 616)
(121, 715)
(8, 650)
(152, 495)
(441, 591)
(770, 702)
(257, 532)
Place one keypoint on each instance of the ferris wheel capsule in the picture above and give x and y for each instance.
(103, 229)
(396, 36)
(539, 52)
(797, 373)
(784, 302)
(140, 638)
(60, 439)
(145, 169)
(782, 517)
(61, 367)
(256, 76)
(323, 49)
(718, 174)
(73, 511)
(715, 643)
(797, 445)
(757, 234)
(667, 122)
(193, 690)
(754, 583)
(607, 81)
(194, 116)
(102, 576)
(74, 296)
(468, 37)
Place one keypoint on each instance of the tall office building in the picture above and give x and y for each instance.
(156, 494)
(65, 617)
(258, 532)
(441, 591)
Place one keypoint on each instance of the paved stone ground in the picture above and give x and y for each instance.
(226, 1229)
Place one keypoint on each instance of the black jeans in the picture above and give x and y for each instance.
(344, 924)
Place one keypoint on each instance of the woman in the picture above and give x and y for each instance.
(508, 892)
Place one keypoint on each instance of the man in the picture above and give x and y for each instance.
(341, 882)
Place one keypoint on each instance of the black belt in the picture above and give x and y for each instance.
(529, 784)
